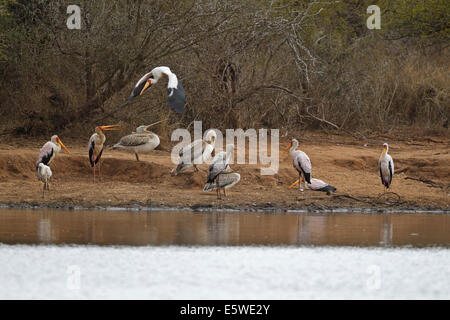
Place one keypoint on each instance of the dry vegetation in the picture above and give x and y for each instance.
(281, 64)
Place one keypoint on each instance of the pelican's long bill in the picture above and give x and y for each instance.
(294, 184)
(110, 127)
(63, 146)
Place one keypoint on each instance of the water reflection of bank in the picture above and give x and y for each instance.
(188, 228)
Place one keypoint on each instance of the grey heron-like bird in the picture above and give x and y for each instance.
(301, 163)
(49, 150)
(95, 145)
(386, 166)
(176, 96)
(220, 169)
(196, 152)
(141, 141)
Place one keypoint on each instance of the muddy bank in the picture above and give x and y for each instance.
(422, 180)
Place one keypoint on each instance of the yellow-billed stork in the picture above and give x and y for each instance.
(386, 166)
(95, 146)
(176, 96)
(301, 163)
(49, 150)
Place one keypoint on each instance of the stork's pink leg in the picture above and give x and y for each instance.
(94, 172)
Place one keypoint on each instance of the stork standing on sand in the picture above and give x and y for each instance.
(197, 151)
(386, 166)
(44, 173)
(219, 170)
(96, 145)
(141, 141)
(317, 185)
(49, 150)
(301, 163)
(176, 96)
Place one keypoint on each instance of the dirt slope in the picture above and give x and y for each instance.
(422, 178)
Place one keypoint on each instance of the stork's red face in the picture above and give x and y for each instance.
(148, 84)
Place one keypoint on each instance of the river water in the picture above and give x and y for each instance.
(58, 254)
(139, 228)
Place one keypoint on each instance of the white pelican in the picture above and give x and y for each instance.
(176, 96)
(317, 185)
(224, 180)
(141, 141)
(301, 163)
(386, 165)
(96, 145)
(49, 151)
(219, 169)
(196, 151)
(44, 173)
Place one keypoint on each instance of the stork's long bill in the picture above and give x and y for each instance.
(287, 148)
(62, 145)
(109, 127)
(148, 84)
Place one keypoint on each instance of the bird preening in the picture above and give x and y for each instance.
(220, 175)
(176, 96)
(95, 146)
(196, 152)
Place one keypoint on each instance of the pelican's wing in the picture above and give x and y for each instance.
(45, 154)
(218, 165)
(192, 151)
(225, 180)
(135, 140)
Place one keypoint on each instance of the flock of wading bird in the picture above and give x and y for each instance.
(220, 175)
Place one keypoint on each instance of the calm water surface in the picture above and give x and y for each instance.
(231, 229)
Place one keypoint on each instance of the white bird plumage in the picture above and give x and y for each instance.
(49, 150)
(176, 96)
(141, 141)
(196, 152)
(386, 166)
(44, 173)
(301, 163)
(220, 168)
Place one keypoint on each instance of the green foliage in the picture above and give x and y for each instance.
(420, 19)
